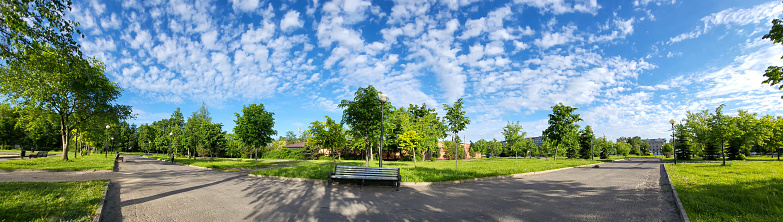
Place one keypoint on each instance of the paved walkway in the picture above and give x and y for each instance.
(151, 190)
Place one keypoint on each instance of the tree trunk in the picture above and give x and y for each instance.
(556, 148)
(256, 154)
(414, 158)
(456, 157)
(64, 135)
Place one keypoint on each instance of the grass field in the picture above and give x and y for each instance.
(434, 171)
(41, 201)
(223, 163)
(90, 162)
(740, 191)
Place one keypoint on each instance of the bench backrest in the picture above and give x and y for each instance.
(42, 153)
(366, 171)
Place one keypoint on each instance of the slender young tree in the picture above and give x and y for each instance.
(456, 122)
(514, 135)
(562, 123)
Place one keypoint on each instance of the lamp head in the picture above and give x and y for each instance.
(383, 98)
(672, 121)
(171, 133)
(107, 126)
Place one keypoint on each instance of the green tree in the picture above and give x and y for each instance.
(494, 147)
(514, 135)
(586, 138)
(30, 26)
(213, 138)
(363, 116)
(409, 141)
(645, 148)
(328, 134)
(682, 142)
(667, 150)
(623, 148)
(255, 126)
(66, 86)
(456, 121)
(562, 123)
(774, 74)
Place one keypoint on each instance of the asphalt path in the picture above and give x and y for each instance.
(152, 190)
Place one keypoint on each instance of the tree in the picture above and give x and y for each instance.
(514, 135)
(720, 130)
(363, 116)
(30, 26)
(774, 74)
(255, 126)
(682, 142)
(456, 121)
(561, 123)
(66, 86)
(586, 138)
(409, 141)
(213, 138)
(623, 148)
(667, 150)
(328, 134)
(645, 148)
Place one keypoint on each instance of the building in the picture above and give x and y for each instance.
(465, 149)
(538, 140)
(656, 145)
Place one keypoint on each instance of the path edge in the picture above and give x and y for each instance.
(424, 184)
(683, 214)
(99, 212)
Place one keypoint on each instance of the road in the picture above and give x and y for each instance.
(151, 190)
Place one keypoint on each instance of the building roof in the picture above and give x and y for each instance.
(296, 145)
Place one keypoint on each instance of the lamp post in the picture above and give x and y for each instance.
(592, 154)
(148, 147)
(107, 142)
(674, 148)
(170, 150)
(112, 142)
(381, 98)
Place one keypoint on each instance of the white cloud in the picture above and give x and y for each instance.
(291, 21)
(561, 6)
(549, 39)
(245, 5)
(763, 13)
(111, 22)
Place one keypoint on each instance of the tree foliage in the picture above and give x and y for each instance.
(456, 121)
(562, 126)
(328, 134)
(363, 116)
(514, 137)
(774, 74)
(255, 126)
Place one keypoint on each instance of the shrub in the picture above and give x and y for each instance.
(285, 153)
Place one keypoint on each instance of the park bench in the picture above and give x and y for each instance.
(365, 173)
(118, 158)
(39, 154)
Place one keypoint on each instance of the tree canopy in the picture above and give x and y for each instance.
(562, 125)
(255, 126)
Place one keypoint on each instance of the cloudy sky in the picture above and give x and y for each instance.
(629, 66)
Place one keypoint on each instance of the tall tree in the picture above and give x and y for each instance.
(255, 126)
(682, 142)
(456, 121)
(562, 122)
(514, 135)
(29, 26)
(586, 138)
(69, 87)
(363, 116)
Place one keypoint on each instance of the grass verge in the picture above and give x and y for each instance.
(43, 201)
(434, 171)
(739, 191)
(222, 163)
(89, 162)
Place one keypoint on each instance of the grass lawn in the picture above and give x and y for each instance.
(223, 163)
(55, 163)
(434, 171)
(41, 201)
(741, 191)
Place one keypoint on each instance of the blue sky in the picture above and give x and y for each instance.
(629, 66)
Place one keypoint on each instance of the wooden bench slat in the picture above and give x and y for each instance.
(366, 173)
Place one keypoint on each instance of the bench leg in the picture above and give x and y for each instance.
(362, 184)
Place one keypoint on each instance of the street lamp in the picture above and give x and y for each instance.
(170, 150)
(148, 147)
(107, 142)
(592, 154)
(674, 148)
(112, 142)
(382, 98)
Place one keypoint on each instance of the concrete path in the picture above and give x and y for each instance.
(151, 190)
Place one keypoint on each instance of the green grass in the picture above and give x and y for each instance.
(434, 171)
(42, 201)
(741, 191)
(223, 163)
(90, 162)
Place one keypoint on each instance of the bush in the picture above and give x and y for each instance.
(285, 153)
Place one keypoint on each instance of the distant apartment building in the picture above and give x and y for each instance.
(656, 145)
(538, 140)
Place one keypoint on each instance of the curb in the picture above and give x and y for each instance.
(99, 212)
(683, 214)
(53, 171)
(424, 184)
